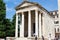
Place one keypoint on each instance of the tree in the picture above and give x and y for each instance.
(2, 10)
(13, 24)
(14, 20)
(10, 32)
(2, 18)
(10, 26)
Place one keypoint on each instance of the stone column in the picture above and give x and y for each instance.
(22, 27)
(36, 22)
(59, 10)
(40, 25)
(20, 22)
(16, 29)
(29, 24)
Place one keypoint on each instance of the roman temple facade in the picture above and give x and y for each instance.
(33, 20)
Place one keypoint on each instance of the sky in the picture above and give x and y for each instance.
(49, 5)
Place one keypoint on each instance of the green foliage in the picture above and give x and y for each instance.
(2, 18)
(14, 20)
(2, 10)
(7, 28)
(11, 27)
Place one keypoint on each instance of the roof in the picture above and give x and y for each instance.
(35, 4)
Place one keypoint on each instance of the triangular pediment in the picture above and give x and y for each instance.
(26, 3)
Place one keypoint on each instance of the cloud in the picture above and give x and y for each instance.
(10, 0)
(9, 9)
(6, 1)
(15, 3)
(6, 5)
(9, 13)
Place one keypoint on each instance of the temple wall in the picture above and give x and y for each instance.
(48, 26)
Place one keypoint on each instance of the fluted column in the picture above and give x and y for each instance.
(40, 25)
(22, 27)
(16, 29)
(20, 22)
(29, 24)
(36, 22)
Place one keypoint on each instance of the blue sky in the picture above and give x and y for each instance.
(50, 5)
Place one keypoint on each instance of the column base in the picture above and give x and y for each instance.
(21, 38)
(29, 38)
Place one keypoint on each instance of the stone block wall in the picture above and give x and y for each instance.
(10, 38)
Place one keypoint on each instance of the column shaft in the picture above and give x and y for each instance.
(16, 30)
(20, 22)
(22, 27)
(40, 25)
(36, 23)
(29, 24)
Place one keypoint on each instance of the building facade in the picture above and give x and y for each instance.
(32, 20)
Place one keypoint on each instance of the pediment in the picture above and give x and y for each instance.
(23, 4)
(26, 4)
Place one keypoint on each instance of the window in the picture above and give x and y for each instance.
(56, 22)
(53, 16)
(57, 16)
(18, 22)
(58, 29)
(55, 30)
(18, 16)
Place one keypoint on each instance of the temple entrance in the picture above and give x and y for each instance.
(25, 24)
(32, 22)
(33, 27)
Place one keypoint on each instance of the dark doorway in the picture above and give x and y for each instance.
(33, 27)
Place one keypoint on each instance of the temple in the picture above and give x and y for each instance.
(33, 20)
